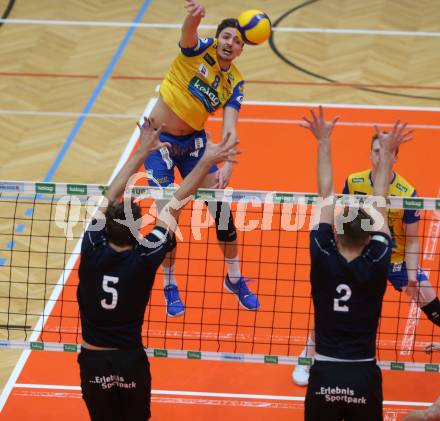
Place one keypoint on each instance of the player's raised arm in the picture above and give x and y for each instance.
(148, 142)
(322, 131)
(195, 13)
(388, 142)
(230, 119)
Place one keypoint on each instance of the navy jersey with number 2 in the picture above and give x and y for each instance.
(347, 295)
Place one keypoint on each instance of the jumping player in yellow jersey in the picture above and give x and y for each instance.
(201, 80)
(404, 271)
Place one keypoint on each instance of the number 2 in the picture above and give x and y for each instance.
(342, 288)
(113, 291)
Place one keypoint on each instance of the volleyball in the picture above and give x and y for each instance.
(254, 26)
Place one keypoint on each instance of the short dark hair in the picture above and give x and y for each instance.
(375, 137)
(353, 233)
(226, 23)
(118, 233)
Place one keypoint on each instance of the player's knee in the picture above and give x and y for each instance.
(432, 311)
(224, 222)
(229, 235)
(172, 244)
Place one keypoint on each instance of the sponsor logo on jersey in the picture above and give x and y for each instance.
(113, 380)
(163, 180)
(240, 99)
(359, 192)
(358, 180)
(198, 143)
(203, 70)
(209, 59)
(204, 93)
(216, 82)
(341, 394)
(401, 188)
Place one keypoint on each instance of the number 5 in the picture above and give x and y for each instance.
(105, 286)
(342, 288)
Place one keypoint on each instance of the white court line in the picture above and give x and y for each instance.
(272, 103)
(216, 119)
(65, 275)
(67, 114)
(335, 31)
(354, 106)
(212, 394)
(389, 413)
(340, 123)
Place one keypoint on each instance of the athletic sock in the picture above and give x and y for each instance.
(168, 276)
(234, 271)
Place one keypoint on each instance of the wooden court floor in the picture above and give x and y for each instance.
(71, 95)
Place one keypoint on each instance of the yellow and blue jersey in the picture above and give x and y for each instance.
(361, 183)
(196, 86)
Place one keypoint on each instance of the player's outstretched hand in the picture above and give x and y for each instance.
(149, 138)
(320, 128)
(224, 151)
(194, 8)
(223, 176)
(396, 137)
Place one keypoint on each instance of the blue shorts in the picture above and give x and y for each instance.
(398, 275)
(185, 153)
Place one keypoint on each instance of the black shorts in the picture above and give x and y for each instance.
(116, 385)
(344, 391)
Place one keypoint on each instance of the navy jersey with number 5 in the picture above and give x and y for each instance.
(347, 295)
(114, 288)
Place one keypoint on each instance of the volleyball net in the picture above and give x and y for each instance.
(41, 226)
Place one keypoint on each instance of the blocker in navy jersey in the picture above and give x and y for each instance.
(347, 295)
(114, 288)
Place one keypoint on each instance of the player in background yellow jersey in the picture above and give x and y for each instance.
(202, 79)
(404, 272)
